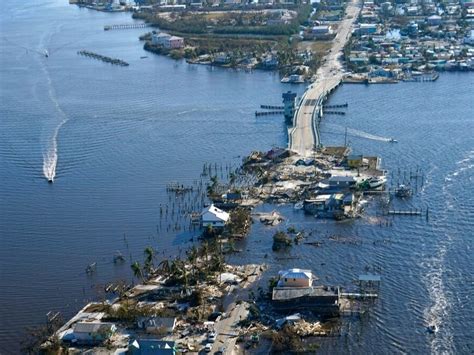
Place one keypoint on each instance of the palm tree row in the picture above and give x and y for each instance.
(199, 264)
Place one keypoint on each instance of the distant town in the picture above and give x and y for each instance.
(392, 41)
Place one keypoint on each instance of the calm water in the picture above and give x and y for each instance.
(114, 137)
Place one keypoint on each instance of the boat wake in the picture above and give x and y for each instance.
(357, 133)
(50, 156)
(362, 134)
(437, 314)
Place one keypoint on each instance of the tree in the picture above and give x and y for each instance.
(192, 254)
(149, 256)
(137, 271)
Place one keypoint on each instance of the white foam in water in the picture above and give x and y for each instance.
(50, 157)
(362, 134)
(438, 313)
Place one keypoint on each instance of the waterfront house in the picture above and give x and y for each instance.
(157, 325)
(295, 278)
(221, 58)
(354, 161)
(338, 181)
(167, 41)
(92, 332)
(151, 347)
(174, 42)
(159, 39)
(336, 205)
(214, 217)
(298, 293)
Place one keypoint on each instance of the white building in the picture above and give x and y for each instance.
(214, 217)
(92, 332)
(295, 278)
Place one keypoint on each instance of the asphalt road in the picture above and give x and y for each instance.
(303, 138)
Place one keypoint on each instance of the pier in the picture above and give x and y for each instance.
(422, 78)
(266, 113)
(336, 106)
(334, 112)
(125, 26)
(304, 136)
(269, 107)
(411, 212)
(103, 58)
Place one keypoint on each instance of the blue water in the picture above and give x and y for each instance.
(114, 137)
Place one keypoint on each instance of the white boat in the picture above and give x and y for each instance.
(392, 140)
(376, 182)
(46, 53)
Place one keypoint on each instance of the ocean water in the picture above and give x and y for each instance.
(114, 137)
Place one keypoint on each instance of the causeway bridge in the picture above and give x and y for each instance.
(304, 135)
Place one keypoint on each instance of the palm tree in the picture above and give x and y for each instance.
(164, 266)
(149, 255)
(137, 270)
(192, 258)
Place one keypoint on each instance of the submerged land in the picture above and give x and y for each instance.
(200, 302)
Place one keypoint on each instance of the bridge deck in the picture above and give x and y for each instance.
(304, 136)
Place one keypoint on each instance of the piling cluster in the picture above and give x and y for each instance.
(103, 58)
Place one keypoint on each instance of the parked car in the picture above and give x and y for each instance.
(208, 348)
(220, 351)
(211, 337)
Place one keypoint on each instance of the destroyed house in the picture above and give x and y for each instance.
(322, 300)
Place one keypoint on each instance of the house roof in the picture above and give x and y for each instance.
(92, 327)
(152, 346)
(162, 35)
(158, 322)
(340, 178)
(212, 213)
(296, 274)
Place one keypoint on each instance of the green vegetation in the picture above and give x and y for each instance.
(281, 240)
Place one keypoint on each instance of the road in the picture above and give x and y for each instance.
(303, 136)
(226, 329)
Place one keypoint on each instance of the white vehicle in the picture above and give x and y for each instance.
(208, 348)
(211, 337)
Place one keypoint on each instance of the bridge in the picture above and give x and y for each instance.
(304, 135)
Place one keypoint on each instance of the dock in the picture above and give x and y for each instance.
(270, 107)
(103, 58)
(266, 113)
(125, 26)
(422, 78)
(336, 106)
(414, 212)
(334, 112)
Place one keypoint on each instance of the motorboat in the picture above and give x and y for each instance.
(432, 328)
(50, 181)
(403, 191)
(376, 182)
(392, 140)
(46, 53)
